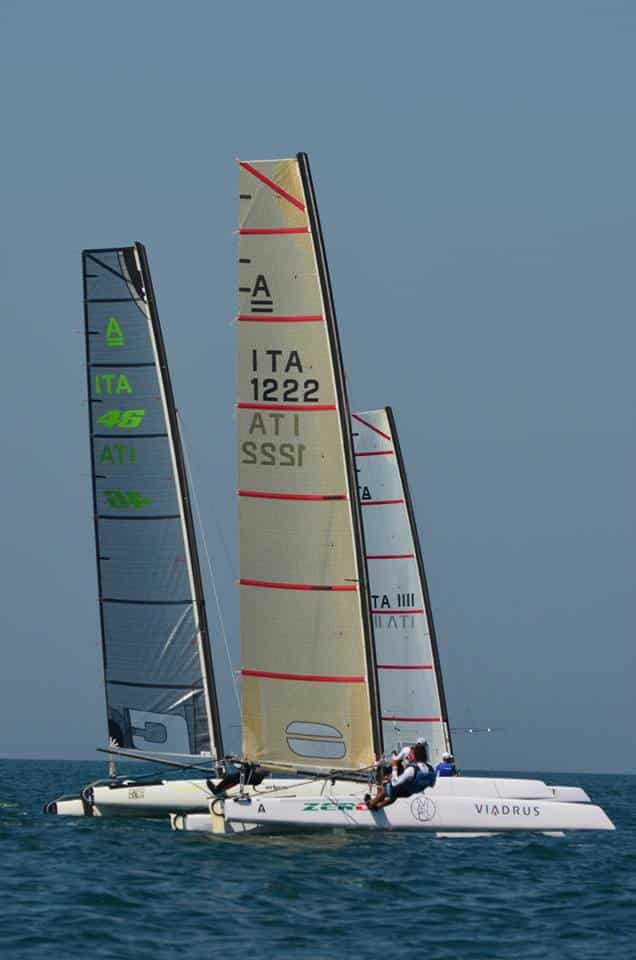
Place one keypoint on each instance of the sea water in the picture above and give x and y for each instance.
(91, 888)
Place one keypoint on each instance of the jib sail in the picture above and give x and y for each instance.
(309, 694)
(412, 701)
(160, 690)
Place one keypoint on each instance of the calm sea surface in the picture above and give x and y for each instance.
(134, 889)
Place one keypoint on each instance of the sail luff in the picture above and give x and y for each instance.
(345, 427)
(192, 554)
(422, 572)
(100, 592)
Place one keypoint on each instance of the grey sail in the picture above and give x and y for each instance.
(160, 691)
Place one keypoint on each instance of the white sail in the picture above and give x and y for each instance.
(412, 702)
(308, 677)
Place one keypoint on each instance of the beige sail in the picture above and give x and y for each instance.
(306, 695)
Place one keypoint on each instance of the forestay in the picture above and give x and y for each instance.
(308, 672)
(412, 702)
(159, 685)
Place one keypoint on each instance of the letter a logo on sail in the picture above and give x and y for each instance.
(114, 333)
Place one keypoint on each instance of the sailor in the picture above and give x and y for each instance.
(405, 755)
(252, 776)
(447, 767)
(417, 776)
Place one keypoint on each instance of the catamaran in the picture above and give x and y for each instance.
(158, 672)
(312, 699)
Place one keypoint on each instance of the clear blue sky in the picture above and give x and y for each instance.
(475, 172)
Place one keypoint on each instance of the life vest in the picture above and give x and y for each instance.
(445, 769)
(421, 780)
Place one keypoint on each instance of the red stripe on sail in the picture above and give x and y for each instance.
(395, 612)
(336, 588)
(404, 666)
(370, 426)
(265, 495)
(375, 453)
(288, 406)
(270, 183)
(314, 677)
(390, 556)
(270, 231)
(378, 503)
(413, 719)
(252, 318)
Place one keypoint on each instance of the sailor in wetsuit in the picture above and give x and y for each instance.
(417, 776)
(447, 767)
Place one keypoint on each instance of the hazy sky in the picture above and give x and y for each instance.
(475, 167)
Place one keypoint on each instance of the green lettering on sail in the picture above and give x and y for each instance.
(120, 500)
(112, 383)
(123, 419)
(114, 333)
(118, 455)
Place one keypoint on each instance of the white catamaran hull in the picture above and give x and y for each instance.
(193, 797)
(424, 811)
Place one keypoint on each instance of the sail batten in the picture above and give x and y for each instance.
(152, 612)
(412, 702)
(308, 672)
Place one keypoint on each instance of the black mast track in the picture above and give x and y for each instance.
(98, 552)
(420, 565)
(345, 424)
(187, 509)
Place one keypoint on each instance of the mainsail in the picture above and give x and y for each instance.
(309, 681)
(412, 701)
(160, 691)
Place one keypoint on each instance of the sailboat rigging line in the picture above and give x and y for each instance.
(356, 416)
(136, 755)
(164, 377)
(345, 427)
(217, 601)
(274, 186)
(420, 562)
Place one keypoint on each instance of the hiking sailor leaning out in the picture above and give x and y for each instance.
(417, 776)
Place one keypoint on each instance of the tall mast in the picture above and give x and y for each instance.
(345, 425)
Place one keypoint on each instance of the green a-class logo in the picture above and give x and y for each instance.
(114, 333)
